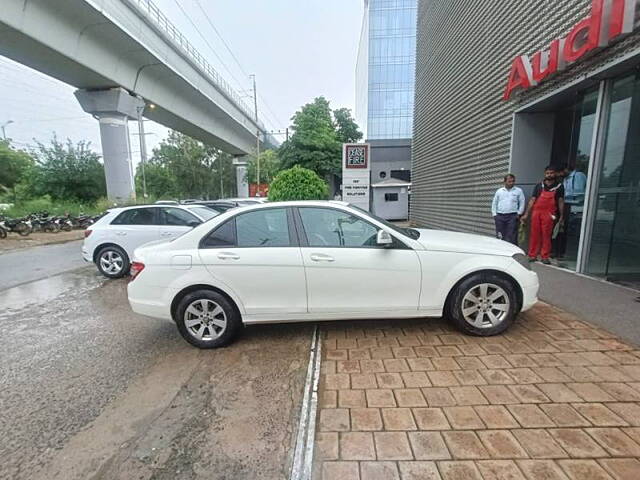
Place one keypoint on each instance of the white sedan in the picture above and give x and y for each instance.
(309, 261)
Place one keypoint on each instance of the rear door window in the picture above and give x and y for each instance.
(137, 216)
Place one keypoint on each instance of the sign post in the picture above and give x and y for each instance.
(356, 170)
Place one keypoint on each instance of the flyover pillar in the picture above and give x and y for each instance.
(113, 108)
(241, 176)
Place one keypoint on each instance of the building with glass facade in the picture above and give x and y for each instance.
(385, 74)
(515, 85)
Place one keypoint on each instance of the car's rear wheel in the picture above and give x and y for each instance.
(113, 262)
(483, 304)
(207, 319)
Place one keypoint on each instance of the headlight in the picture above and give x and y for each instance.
(522, 260)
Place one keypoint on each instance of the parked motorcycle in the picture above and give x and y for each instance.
(21, 226)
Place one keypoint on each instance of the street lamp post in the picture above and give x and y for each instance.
(3, 126)
(255, 104)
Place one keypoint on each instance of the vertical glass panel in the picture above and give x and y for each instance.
(615, 250)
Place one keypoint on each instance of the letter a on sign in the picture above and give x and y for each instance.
(520, 76)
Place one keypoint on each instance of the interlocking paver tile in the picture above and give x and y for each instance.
(590, 392)
(622, 468)
(380, 353)
(470, 363)
(611, 374)
(410, 397)
(564, 415)
(469, 349)
(498, 394)
(334, 420)
(496, 377)
(379, 471)
(420, 364)
(336, 381)
(366, 419)
(367, 342)
(463, 418)
(351, 399)
(559, 392)
(430, 419)
(599, 415)
(541, 470)
(428, 446)
(468, 396)
(546, 360)
(360, 381)
(328, 366)
(464, 445)
(470, 377)
(398, 419)
(340, 471)
(615, 441)
(380, 398)
(415, 379)
(329, 399)
(499, 470)
(629, 411)
(357, 446)
(459, 471)
(528, 393)
(389, 380)
(494, 361)
(327, 445)
(396, 365)
(348, 366)
(392, 446)
(621, 392)
(583, 470)
(442, 379)
(343, 343)
(336, 355)
(438, 397)
(580, 374)
(538, 443)
(419, 471)
(520, 361)
(359, 354)
(445, 363)
(426, 351)
(448, 351)
(372, 366)
(403, 352)
(501, 444)
(530, 416)
(577, 443)
(496, 416)
(551, 375)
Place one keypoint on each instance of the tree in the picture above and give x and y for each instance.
(269, 167)
(184, 167)
(297, 183)
(346, 127)
(67, 171)
(314, 143)
(14, 166)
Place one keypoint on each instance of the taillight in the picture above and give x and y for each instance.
(136, 268)
(87, 232)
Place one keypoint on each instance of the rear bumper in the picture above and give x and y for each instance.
(140, 302)
(86, 255)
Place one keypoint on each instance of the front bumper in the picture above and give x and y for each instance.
(530, 292)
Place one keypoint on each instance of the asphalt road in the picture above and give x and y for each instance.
(31, 264)
(91, 390)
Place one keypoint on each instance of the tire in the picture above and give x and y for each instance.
(23, 229)
(211, 335)
(112, 262)
(3, 233)
(487, 313)
(66, 227)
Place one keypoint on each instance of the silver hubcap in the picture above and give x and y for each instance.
(485, 305)
(111, 262)
(205, 320)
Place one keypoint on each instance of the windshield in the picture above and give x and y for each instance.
(409, 232)
(204, 212)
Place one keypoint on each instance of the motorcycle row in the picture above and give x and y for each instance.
(43, 222)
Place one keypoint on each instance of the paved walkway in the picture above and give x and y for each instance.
(553, 398)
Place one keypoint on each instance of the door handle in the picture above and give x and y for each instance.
(122, 234)
(165, 234)
(228, 256)
(319, 257)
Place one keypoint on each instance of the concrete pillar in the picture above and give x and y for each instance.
(241, 176)
(114, 108)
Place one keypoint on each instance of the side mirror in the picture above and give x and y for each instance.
(384, 238)
(194, 223)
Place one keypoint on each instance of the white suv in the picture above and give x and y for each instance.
(110, 242)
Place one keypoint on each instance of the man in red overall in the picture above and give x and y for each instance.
(544, 206)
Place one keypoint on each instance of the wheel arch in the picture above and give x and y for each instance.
(499, 273)
(201, 286)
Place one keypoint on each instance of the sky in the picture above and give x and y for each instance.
(298, 50)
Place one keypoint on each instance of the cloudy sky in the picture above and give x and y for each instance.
(298, 49)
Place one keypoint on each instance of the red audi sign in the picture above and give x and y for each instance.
(609, 20)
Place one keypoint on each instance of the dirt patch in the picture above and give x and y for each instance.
(16, 242)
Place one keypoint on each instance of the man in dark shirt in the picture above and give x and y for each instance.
(545, 207)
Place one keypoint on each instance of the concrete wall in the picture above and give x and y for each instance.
(387, 155)
(391, 210)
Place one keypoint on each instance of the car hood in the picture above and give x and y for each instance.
(444, 241)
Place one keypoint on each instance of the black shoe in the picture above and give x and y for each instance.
(546, 261)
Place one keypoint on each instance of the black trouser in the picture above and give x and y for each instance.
(560, 242)
(507, 227)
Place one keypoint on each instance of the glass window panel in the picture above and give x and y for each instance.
(263, 228)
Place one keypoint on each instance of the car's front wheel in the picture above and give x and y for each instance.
(112, 262)
(207, 319)
(483, 304)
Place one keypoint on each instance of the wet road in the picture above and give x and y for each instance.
(31, 264)
(91, 390)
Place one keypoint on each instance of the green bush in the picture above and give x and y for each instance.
(298, 183)
(59, 207)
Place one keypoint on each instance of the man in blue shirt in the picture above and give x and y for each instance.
(508, 205)
(575, 185)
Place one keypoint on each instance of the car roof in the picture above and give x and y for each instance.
(294, 203)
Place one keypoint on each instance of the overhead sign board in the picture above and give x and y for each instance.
(609, 20)
(356, 170)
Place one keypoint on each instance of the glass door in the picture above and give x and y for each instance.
(615, 243)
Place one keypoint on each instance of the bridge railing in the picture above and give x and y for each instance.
(160, 20)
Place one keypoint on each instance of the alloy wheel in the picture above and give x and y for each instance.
(111, 262)
(205, 320)
(485, 305)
